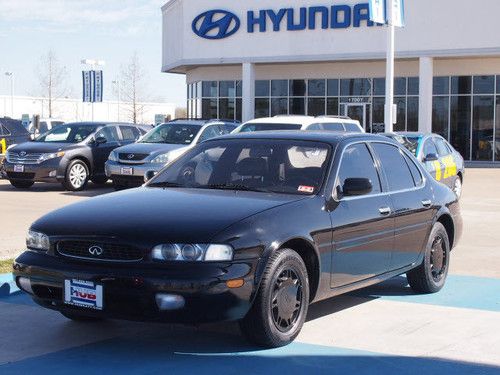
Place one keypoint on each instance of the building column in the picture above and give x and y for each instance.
(426, 80)
(248, 99)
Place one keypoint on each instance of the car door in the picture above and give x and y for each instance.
(100, 152)
(362, 227)
(411, 201)
(433, 165)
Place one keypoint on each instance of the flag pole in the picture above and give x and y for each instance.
(389, 81)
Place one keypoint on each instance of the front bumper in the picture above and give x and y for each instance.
(114, 170)
(129, 290)
(52, 170)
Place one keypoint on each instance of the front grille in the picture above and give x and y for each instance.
(17, 158)
(20, 176)
(110, 251)
(132, 157)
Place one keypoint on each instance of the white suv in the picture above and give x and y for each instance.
(294, 122)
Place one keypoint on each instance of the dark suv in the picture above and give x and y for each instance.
(11, 132)
(71, 154)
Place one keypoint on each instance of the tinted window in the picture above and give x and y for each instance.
(172, 133)
(129, 133)
(357, 162)
(67, 134)
(263, 127)
(430, 148)
(415, 172)
(394, 166)
(349, 127)
(226, 128)
(315, 127)
(441, 147)
(410, 143)
(4, 130)
(333, 127)
(42, 127)
(109, 132)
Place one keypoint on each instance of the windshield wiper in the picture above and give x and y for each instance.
(232, 187)
(166, 184)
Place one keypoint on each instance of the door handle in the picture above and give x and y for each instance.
(385, 211)
(426, 203)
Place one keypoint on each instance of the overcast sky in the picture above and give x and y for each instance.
(109, 30)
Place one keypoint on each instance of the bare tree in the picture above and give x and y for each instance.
(52, 78)
(181, 112)
(132, 89)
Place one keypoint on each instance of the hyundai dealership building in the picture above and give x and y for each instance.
(247, 59)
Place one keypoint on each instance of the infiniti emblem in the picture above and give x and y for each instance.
(96, 251)
(22, 153)
(130, 156)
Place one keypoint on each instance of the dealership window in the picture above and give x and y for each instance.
(355, 87)
(215, 99)
(482, 127)
(440, 112)
(460, 124)
(262, 88)
(210, 89)
(441, 86)
(461, 85)
(297, 106)
(262, 107)
(279, 106)
(484, 85)
(316, 106)
(332, 87)
(279, 87)
(332, 106)
(316, 87)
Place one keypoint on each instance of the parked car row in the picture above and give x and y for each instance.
(75, 153)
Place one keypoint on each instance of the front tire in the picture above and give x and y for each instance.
(280, 307)
(77, 176)
(21, 184)
(430, 276)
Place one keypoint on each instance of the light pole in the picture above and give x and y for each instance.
(11, 76)
(117, 83)
(94, 64)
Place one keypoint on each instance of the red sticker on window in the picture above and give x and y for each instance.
(306, 189)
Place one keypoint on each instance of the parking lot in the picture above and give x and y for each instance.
(385, 329)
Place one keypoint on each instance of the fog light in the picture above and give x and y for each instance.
(53, 174)
(238, 283)
(169, 302)
(25, 284)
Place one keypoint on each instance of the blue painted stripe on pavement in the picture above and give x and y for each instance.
(143, 355)
(459, 291)
(7, 285)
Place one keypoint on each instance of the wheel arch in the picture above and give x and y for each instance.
(83, 159)
(446, 220)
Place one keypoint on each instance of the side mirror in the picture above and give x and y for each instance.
(100, 140)
(149, 175)
(357, 186)
(431, 157)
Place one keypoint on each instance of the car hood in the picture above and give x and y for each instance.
(154, 215)
(148, 148)
(42, 147)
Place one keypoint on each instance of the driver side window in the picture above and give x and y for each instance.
(210, 132)
(109, 132)
(357, 162)
(430, 148)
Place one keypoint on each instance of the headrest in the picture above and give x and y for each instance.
(251, 167)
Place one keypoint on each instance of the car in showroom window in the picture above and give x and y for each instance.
(71, 154)
(251, 228)
(128, 165)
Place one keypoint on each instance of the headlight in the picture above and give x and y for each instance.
(161, 159)
(192, 253)
(37, 241)
(53, 155)
(113, 156)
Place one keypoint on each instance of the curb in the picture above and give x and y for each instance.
(7, 285)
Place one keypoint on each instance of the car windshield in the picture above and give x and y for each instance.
(174, 133)
(69, 133)
(409, 142)
(264, 126)
(270, 166)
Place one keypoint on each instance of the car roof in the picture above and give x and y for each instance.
(297, 135)
(300, 120)
(202, 122)
(103, 123)
(413, 134)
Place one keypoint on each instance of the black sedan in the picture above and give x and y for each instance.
(71, 154)
(251, 227)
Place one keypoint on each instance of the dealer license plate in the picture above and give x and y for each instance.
(19, 168)
(83, 294)
(127, 171)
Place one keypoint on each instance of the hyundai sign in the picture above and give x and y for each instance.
(220, 24)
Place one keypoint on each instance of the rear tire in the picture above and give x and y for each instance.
(80, 318)
(280, 307)
(430, 276)
(21, 184)
(77, 176)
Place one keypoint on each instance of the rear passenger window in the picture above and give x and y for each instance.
(333, 127)
(129, 133)
(415, 172)
(357, 162)
(394, 166)
(109, 132)
(430, 148)
(349, 127)
(314, 127)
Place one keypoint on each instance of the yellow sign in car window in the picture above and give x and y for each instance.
(450, 167)
(3, 146)
(437, 167)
